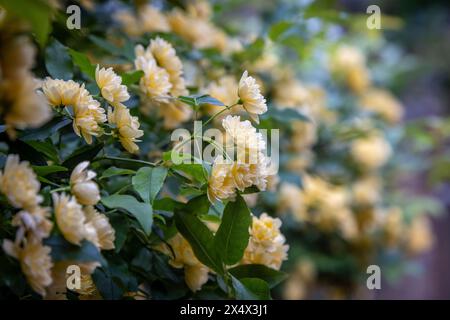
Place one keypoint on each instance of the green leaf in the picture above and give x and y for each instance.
(105, 45)
(46, 170)
(82, 61)
(37, 12)
(253, 51)
(114, 279)
(143, 261)
(114, 171)
(250, 289)
(85, 153)
(148, 181)
(198, 100)
(131, 77)
(198, 205)
(271, 276)
(46, 130)
(62, 250)
(200, 238)
(143, 212)
(121, 227)
(47, 148)
(195, 171)
(57, 61)
(277, 29)
(106, 284)
(232, 236)
(166, 204)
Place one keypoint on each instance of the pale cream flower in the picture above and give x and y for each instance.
(19, 184)
(300, 162)
(199, 9)
(383, 103)
(131, 25)
(35, 262)
(320, 203)
(304, 135)
(182, 256)
(105, 233)
(58, 289)
(350, 63)
(82, 187)
(419, 235)
(200, 32)
(291, 93)
(152, 20)
(18, 53)
(21, 106)
(87, 113)
(166, 57)
(148, 19)
(392, 225)
(155, 83)
(127, 127)
(162, 82)
(174, 113)
(250, 96)
(291, 199)
(27, 108)
(87, 120)
(221, 184)
(300, 281)
(69, 218)
(111, 86)
(266, 244)
(60, 92)
(372, 151)
(244, 137)
(35, 223)
(366, 191)
(251, 165)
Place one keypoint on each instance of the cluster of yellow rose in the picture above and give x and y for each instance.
(20, 104)
(266, 247)
(192, 24)
(352, 208)
(162, 82)
(88, 115)
(75, 216)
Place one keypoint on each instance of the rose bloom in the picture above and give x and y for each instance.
(35, 261)
(266, 244)
(82, 187)
(19, 183)
(182, 256)
(251, 97)
(111, 86)
(371, 152)
(127, 127)
(70, 218)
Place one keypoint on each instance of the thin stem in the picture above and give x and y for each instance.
(60, 189)
(125, 160)
(227, 108)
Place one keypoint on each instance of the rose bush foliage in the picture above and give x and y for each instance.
(88, 177)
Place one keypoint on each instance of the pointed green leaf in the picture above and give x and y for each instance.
(143, 212)
(200, 238)
(271, 276)
(232, 236)
(148, 181)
